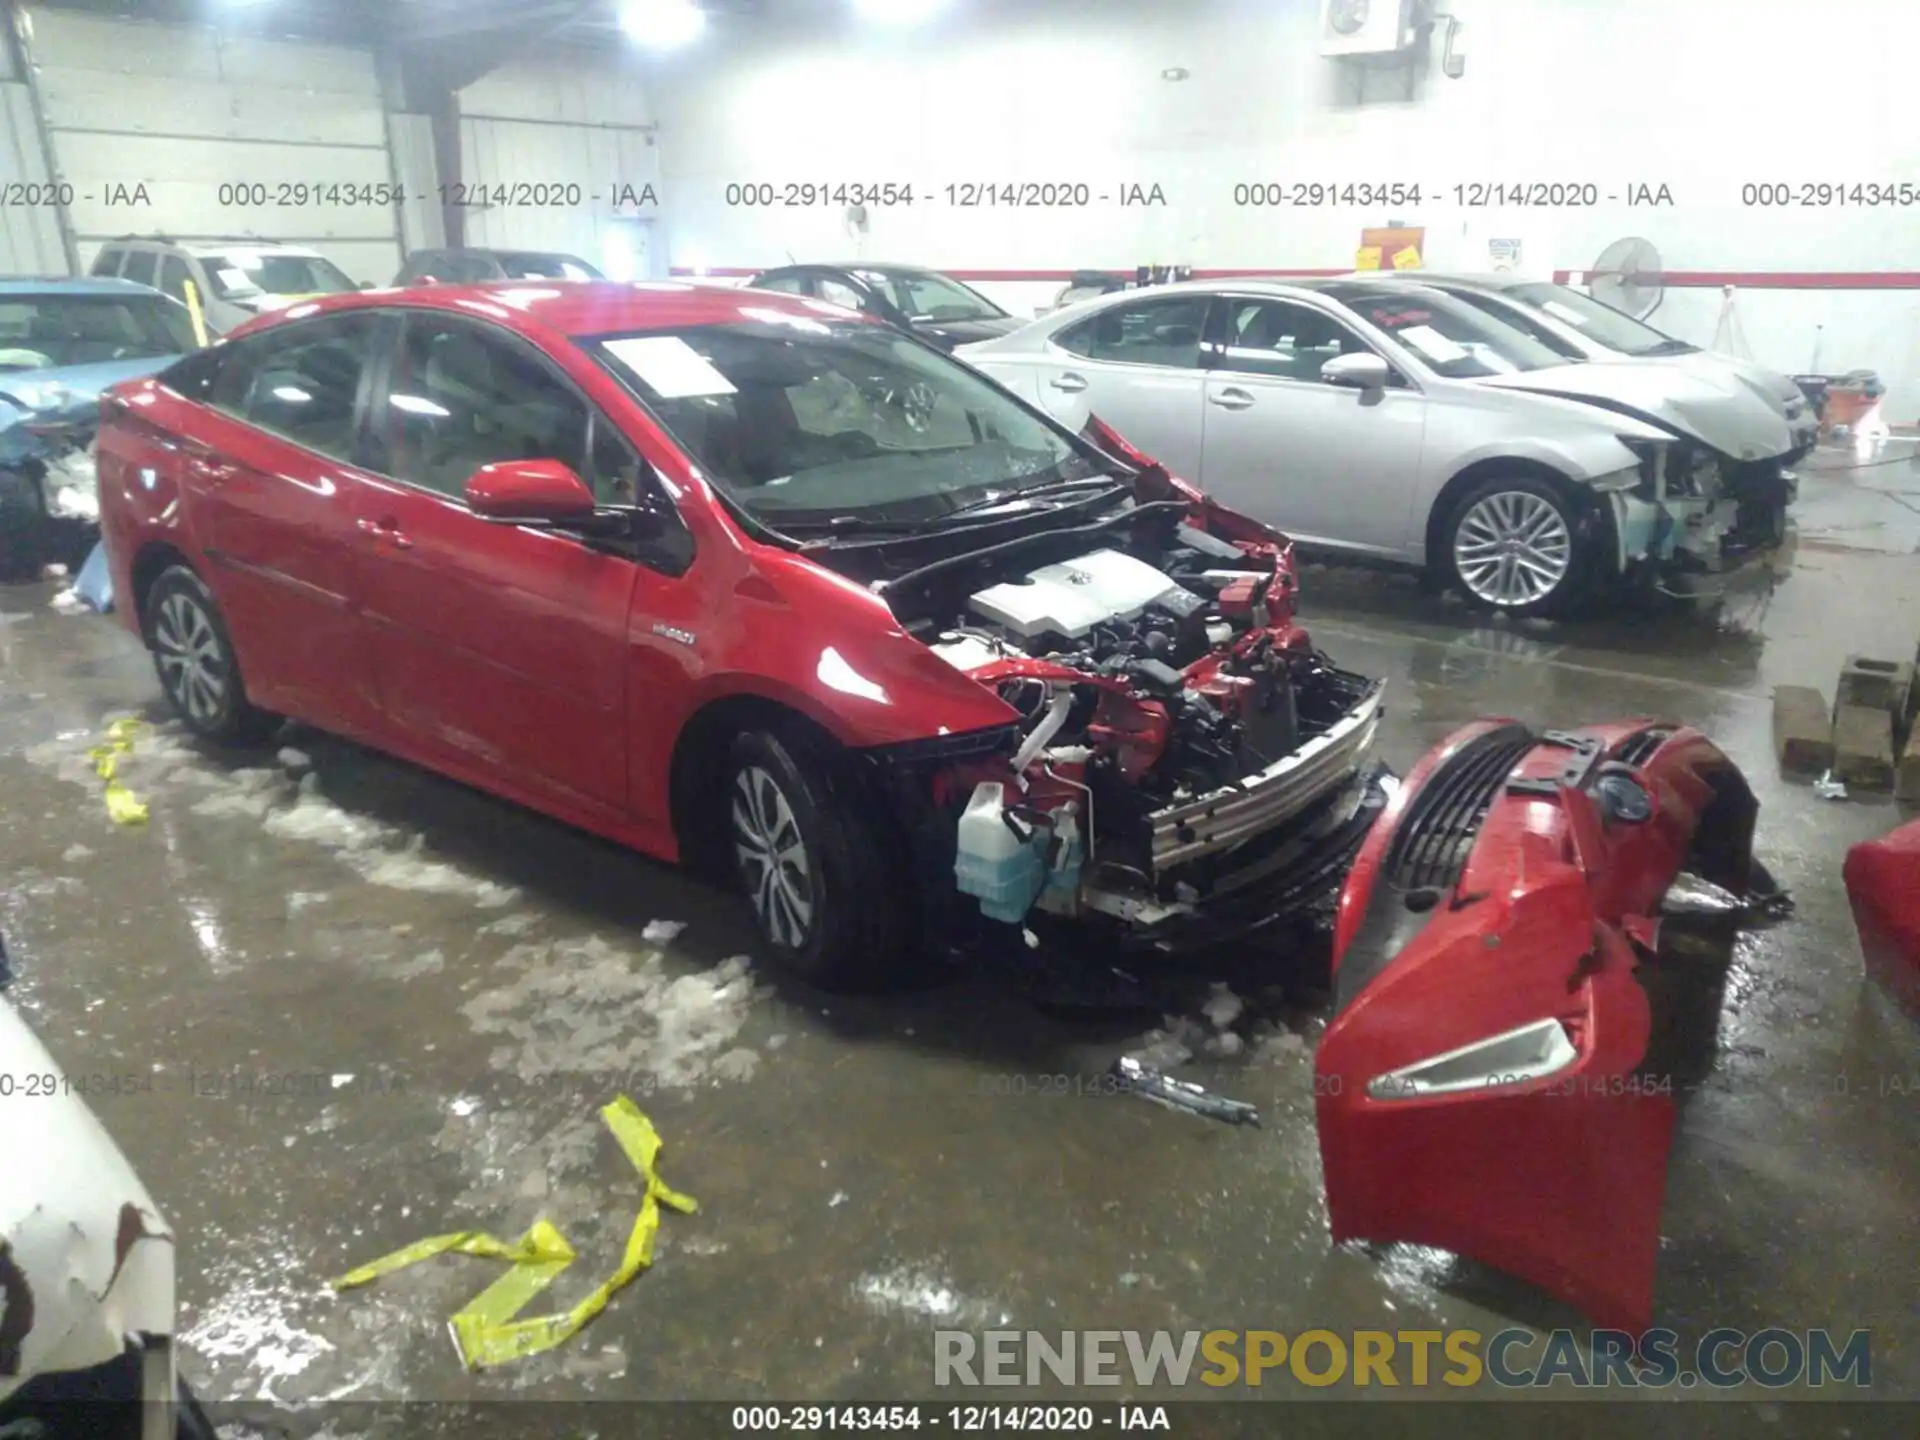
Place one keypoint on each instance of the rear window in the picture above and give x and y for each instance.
(547, 267)
(51, 332)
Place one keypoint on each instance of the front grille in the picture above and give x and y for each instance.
(1638, 747)
(1436, 835)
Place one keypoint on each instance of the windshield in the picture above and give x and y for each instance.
(547, 267)
(932, 297)
(808, 421)
(239, 274)
(1605, 326)
(1449, 338)
(50, 332)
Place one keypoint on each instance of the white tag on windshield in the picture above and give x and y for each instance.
(235, 279)
(670, 367)
(1432, 344)
(1564, 312)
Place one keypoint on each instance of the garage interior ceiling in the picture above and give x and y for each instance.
(397, 22)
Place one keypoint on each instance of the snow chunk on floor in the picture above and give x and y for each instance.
(74, 854)
(1223, 1007)
(663, 932)
(920, 1291)
(586, 1007)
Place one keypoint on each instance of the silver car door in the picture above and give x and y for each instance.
(1327, 463)
(1136, 366)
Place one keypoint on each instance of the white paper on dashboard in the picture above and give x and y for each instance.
(671, 368)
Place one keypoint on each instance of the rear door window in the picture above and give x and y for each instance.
(302, 381)
(140, 267)
(1166, 331)
(107, 262)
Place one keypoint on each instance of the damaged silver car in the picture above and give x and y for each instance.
(86, 1267)
(1385, 421)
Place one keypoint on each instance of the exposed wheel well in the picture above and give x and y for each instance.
(698, 770)
(1487, 470)
(155, 557)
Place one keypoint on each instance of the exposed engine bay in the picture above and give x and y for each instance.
(1178, 736)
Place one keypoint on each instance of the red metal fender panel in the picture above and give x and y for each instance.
(1883, 886)
(1477, 1086)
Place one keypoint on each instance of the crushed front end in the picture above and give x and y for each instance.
(1484, 1082)
(1701, 523)
(1186, 767)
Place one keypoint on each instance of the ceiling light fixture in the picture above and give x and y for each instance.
(662, 24)
(900, 12)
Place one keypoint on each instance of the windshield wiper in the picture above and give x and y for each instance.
(1671, 347)
(1031, 492)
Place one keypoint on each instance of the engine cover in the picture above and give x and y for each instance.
(1071, 598)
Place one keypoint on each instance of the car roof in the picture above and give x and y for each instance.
(206, 248)
(73, 285)
(854, 267)
(579, 308)
(1464, 280)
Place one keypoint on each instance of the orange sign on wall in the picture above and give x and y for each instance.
(1391, 247)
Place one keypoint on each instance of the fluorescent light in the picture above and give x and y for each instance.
(900, 12)
(662, 24)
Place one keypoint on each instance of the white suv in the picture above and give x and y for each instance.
(236, 279)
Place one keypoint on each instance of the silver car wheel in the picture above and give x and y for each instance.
(773, 858)
(1512, 548)
(194, 667)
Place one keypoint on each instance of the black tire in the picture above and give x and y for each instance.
(843, 917)
(1512, 583)
(194, 657)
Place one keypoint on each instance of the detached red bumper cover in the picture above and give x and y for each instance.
(1883, 886)
(1478, 1085)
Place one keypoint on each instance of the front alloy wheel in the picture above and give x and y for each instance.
(774, 865)
(1513, 549)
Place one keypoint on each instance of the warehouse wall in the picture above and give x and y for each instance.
(565, 151)
(1701, 97)
(149, 121)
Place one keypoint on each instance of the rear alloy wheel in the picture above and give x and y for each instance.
(1514, 546)
(193, 656)
(818, 860)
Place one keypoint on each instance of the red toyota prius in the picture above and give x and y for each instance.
(747, 580)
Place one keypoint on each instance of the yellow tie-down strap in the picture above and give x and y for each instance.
(122, 804)
(485, 1332)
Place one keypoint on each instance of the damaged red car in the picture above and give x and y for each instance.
(746, 580)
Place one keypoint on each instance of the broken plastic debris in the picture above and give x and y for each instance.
(485, 1332)
(662, 932)
(1828, 788)
(1162, 1089)
(122, 804)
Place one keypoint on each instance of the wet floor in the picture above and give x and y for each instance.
(362, 1006)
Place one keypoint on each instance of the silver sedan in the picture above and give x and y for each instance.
(1388, 421)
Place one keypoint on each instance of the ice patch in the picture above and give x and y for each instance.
(585, 1007)
(922, 1292)
(68, 602)
(662, 932)
(74, 854)
(380, 853)
(1223, 1007)
(511, 924)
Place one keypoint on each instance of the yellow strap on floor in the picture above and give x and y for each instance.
(122, 804)
(485, 1332)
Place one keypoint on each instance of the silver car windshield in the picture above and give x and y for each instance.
(932, 297)
(1613, 329)
(806, 421)
(1448, 337)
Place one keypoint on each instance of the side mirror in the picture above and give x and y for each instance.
(1357, 372)
(366, 285)
(530, 492)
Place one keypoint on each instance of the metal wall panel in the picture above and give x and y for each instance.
(410, 137)
(607, 163)
(149, 122)
(29, 234)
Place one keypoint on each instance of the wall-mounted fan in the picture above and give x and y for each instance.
(1627, 276)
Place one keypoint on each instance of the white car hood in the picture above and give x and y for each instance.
(1769, 383)
(85, 1259)
(1718, 409)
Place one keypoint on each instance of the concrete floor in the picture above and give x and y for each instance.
(455, 985)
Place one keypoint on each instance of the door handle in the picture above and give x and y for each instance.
(1232, 398)
(1072, 384)
(211, 471)
(386, 528)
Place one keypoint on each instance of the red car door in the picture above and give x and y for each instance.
(498, 651)
(266, 463)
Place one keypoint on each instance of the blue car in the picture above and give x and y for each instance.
(61, 343)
